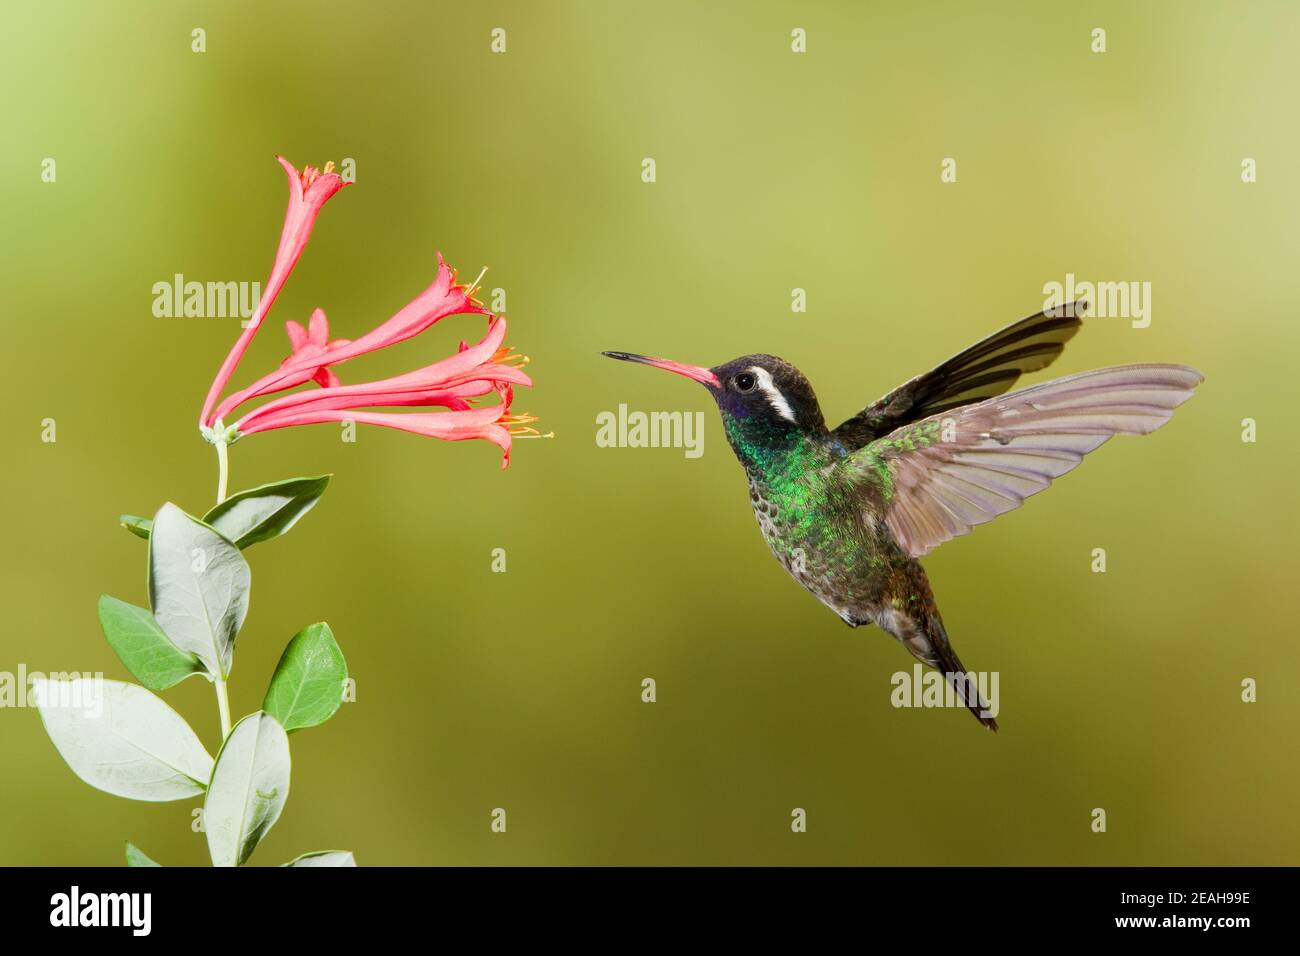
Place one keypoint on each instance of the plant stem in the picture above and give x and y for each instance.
(223, 697)
(223, 471)
(223, 706)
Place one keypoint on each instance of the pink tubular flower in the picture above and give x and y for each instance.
(492, 424)
(308, 192)
(454, 383)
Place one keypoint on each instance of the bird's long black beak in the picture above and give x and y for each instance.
(695, 372)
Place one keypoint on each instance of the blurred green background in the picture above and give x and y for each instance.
(775, 170)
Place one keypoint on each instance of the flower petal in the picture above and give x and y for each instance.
(326, 378)
(318, 329)
(297, 334)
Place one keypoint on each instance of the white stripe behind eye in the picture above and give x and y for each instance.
(774, 396)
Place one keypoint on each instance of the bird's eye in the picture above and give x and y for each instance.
(745, 382)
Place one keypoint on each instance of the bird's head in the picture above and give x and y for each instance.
(766, 403)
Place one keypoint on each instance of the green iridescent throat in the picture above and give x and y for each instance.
(791, 468)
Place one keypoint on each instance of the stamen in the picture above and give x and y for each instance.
(473, 286)
(310, 174)
(519, 426)
(507, 356)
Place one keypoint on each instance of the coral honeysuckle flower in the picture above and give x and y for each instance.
(453, 383)
(439, 300)
(493, 424)
(308, 192)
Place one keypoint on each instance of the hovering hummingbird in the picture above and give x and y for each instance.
(848, 511)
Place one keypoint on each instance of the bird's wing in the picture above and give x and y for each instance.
(987, 368)
(940, 477)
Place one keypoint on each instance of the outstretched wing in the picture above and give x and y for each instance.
(938, 478)
(987, 368)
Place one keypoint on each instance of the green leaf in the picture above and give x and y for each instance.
(267, 511)
(249, 786)
(323, 858)
(137, 857)
(198, 587)
(307, 686)
(136, 525)
(122, 739)
(146, 651)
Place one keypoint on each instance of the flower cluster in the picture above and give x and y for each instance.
(453, 384)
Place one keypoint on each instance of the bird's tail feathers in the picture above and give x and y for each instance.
(964, 682)
(925, 637)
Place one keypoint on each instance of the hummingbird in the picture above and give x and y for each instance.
(849, 511)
